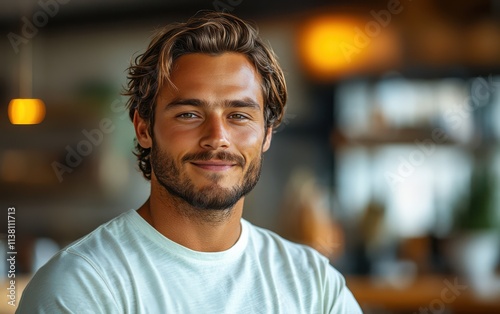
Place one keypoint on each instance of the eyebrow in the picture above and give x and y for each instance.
(236, 103)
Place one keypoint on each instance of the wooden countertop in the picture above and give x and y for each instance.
(427, 294)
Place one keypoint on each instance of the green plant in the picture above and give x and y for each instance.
(477, 212)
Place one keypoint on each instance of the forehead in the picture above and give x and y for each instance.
(228, 63)
(214, 77)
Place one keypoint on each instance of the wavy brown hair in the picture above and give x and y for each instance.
(207, 32)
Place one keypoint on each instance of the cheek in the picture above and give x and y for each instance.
(249, 143)
(172, 140)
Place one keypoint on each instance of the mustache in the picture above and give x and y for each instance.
(207, 155)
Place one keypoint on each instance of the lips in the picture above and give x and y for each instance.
(219, 161)
(214, 165)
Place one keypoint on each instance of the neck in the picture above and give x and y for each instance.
(197, 229)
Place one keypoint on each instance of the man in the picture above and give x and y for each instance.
(204, 99)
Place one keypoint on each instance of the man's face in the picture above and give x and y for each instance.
(209, 132)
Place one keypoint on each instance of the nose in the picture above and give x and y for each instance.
(215, 135)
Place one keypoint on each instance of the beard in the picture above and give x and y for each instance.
(210, 197)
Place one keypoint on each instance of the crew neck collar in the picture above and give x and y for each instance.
(175, 248)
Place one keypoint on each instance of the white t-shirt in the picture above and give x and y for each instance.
(127, 266)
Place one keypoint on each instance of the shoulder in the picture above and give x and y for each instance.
(309, 273)
(104, 237)
(77, 272)
(95, 250)
(267, 240)
(288, 256)
(67, 281)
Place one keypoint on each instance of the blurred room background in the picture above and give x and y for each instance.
(388, 160)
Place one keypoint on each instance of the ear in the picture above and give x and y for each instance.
(142, 131)
(267, 140)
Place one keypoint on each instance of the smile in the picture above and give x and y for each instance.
(214, 165)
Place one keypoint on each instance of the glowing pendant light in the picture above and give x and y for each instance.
(26, 110)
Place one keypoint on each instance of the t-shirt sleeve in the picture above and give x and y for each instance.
(339, 298)
(68, 283)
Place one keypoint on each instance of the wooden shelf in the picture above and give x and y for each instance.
(390, 137)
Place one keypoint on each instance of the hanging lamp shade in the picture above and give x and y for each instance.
(26, 111)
